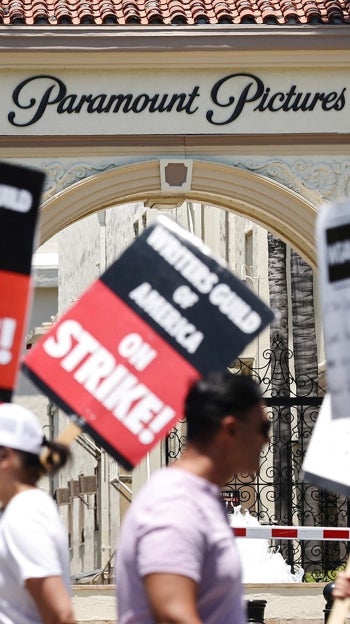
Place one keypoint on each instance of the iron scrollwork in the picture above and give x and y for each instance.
(277, 494)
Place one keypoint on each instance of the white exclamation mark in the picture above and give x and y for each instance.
(163, 418)
(7, 333)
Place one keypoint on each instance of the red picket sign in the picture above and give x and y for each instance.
(123, 357)
(20, 192)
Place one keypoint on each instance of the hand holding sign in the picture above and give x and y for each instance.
(122, 358)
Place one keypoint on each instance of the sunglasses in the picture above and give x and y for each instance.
(266, 428)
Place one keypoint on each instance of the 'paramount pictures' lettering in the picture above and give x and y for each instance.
(229, 98)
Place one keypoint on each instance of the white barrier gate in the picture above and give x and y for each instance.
(293, 532)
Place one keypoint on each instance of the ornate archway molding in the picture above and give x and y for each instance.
(268, 203)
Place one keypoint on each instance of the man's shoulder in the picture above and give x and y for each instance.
(31, 505)
(176, 480)
(170, 487)
(162, 485)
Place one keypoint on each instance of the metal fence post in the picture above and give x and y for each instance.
(328, 596)
(256, 611)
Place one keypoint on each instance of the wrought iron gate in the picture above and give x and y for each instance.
(277, 494)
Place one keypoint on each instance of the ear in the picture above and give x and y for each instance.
(229, 425)
(5, 455)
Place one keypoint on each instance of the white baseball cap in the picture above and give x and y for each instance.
(20, 429)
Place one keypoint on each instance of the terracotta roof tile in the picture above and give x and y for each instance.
(221, 11)
(153, 11)
(167, 12)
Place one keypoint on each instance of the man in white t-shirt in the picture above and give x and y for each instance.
(35, 583)
(177, 561)
(35, 549)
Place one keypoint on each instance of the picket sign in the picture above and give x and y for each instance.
(20, 193)
(333, 251)
(123, 357)
(327, 460)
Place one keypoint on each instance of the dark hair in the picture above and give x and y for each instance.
(55, 458)
(215, 396)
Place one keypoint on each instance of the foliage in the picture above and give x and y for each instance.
(324, 576)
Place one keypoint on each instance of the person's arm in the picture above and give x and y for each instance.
(52, 599)
(172, 598)
(342, 585)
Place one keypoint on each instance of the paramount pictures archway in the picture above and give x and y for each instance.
(271, 205)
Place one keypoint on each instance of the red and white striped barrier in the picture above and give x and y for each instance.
(293, 532)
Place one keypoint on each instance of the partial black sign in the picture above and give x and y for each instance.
(194, 302)
(338, 252)
(20, 192)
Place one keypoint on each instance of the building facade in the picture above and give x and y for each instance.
(200, 122)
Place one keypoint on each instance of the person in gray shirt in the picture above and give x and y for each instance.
(177, 561)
